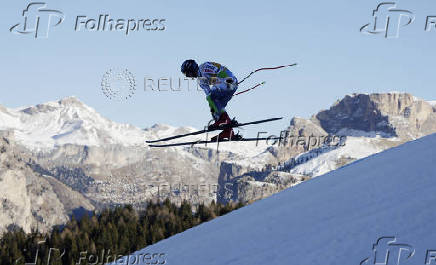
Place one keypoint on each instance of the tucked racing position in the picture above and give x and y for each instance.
(219, 85)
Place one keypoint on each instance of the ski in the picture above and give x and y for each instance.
(207, 130)
(210, 141)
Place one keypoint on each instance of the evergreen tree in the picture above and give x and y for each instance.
(120, 231)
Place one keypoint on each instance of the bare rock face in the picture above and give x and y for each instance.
(253, 186)
(116, 175)
(300, 126)
(392, 114)
(30, 200)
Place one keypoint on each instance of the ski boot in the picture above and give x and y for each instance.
(227, 133)
(223, 120)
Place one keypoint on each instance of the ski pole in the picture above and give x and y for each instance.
(246, 90)
(266, 68)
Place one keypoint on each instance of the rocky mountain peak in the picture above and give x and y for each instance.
(392, 114)
(68, 102)
(301, 126)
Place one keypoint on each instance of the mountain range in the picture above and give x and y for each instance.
(64, 158)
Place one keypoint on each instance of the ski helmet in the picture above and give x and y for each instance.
(190, 68)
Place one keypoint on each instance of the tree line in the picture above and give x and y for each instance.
(108, 235)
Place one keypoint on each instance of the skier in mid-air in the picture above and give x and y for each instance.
(219, 84)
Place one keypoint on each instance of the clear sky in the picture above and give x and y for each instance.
(334, 57)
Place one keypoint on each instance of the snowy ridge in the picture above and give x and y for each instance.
(335, 219)
(355, 148)
(360, 133)
(70, 121)
(67, 121)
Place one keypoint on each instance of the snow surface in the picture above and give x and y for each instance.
(333, 219)
(354, 148)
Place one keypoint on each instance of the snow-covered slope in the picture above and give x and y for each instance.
(355, 148)
(334, 219)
